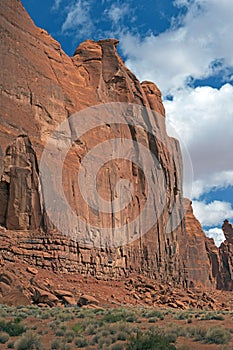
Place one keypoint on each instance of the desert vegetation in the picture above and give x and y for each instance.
(25, 328)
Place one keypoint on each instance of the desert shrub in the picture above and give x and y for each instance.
(65, 346)
(94, 339)
(91, 330)
(152, 320)
(197, 333)
(65, 317)
(4, 337)
(29, 341)
(113, 328)
(212, 316)
(149, 341)
(13, 328)
(63, 327)
(107, 341)
(11, 345)
(121, 336)
(104, 333)
(45, 316)
(182, 316)
(117, 346)
(131, 318)
(81, 342)
(172, 335)
(55, 344)
(21, 315)
(172, 331)
(69, 336)
(77, 328)
(217, 335)
(153, 314)
(113, 317)
(59, 332)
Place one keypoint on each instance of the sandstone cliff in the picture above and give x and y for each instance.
(43, 89)
(225, 280)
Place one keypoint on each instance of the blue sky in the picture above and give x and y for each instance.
(184, 46)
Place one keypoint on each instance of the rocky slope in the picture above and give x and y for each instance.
(43, 89)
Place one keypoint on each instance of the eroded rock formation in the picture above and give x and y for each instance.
(225, 280)
(44, 88)
(21, 204)
(202, 255)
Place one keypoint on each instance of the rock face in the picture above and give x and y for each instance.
(45, 88)
(202, 255)
(225, 280)
(20, 207)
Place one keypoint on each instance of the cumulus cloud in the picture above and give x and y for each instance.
(196, 45)
(78, 19)
(203, 119)
(213, 213)
(217, 234)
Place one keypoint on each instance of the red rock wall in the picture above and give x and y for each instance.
(44, 88)
(225, 278)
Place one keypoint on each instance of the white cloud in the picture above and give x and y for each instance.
(180, 3)
(188, 48)
(209, 181)
(203, 119)
(117, 12)
(217, 234)
(196, 45)
(213, 213)
(56, 5)
(78, 19)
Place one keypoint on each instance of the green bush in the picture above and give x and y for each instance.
(14, 328)
(150, 341)
(212, 316)
(152, 320)
(69, 336)
(117, 346)
(218, 336)
(29, 341)
(182, 316)
(59, 332)
(114, 317)
(198, 333)
(94, 339)
(131, 318)
(81, 343)
(77, 328)
(121, 336)
(55, 344)
(105, 341)
(90, 330)
(4, 337)
(153, 314)
(11, 345)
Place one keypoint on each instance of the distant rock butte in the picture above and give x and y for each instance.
(40, 88)
(225, 280)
